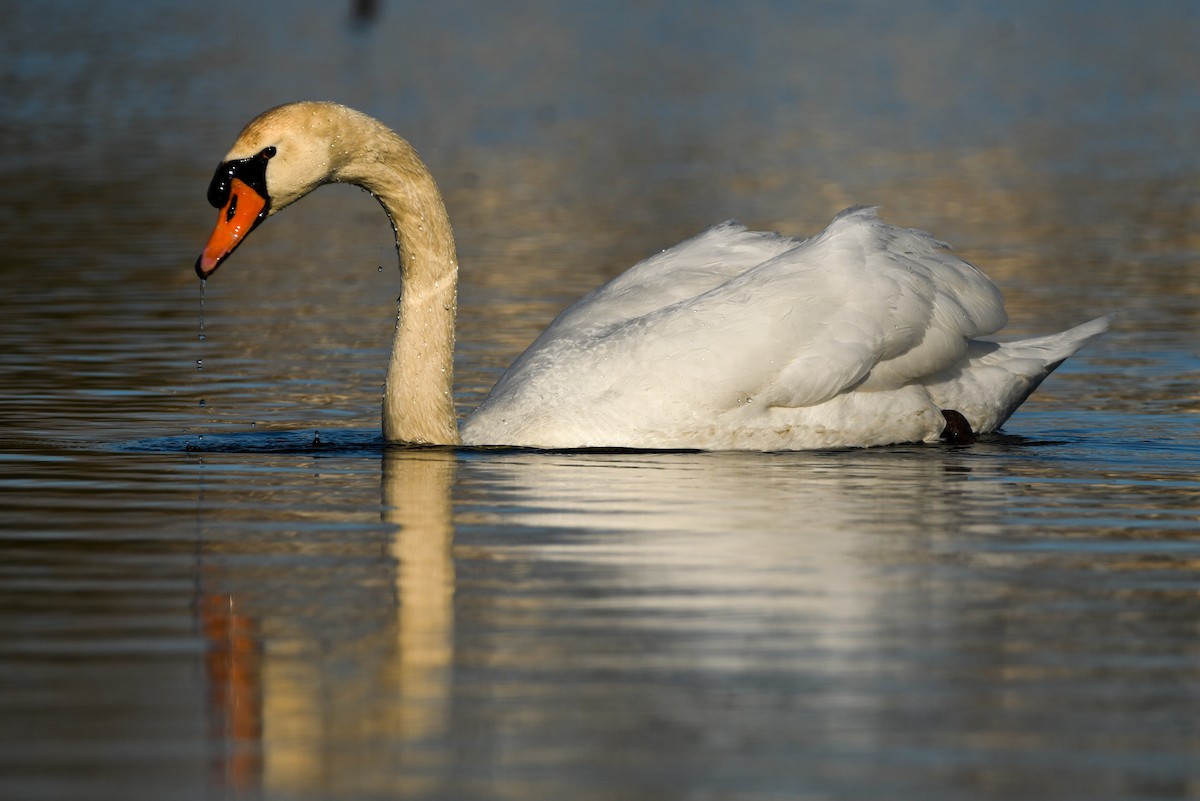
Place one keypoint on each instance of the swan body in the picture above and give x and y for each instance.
(732, 340)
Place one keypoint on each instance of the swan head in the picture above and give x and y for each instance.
(280, 156)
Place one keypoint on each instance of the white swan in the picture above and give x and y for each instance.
(863, 335)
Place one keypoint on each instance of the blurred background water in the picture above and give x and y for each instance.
(250, 597)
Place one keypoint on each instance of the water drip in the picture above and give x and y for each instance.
(201, 337)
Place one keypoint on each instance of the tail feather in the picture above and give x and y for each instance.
(997, 377)
(1055, 348)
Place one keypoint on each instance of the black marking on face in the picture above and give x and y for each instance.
(250, 171)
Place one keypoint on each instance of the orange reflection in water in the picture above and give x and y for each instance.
(233, 667)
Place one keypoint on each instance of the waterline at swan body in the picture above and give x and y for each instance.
(732, 340)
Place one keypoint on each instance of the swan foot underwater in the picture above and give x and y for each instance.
(866, 334)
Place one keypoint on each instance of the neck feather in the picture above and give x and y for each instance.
(418, 403)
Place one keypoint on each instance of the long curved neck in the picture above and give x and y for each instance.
(418, 402)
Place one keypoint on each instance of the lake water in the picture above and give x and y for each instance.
(215, 582)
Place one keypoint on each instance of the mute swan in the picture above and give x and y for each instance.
(866, 334)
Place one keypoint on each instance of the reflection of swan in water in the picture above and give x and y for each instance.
(722, 599)
(315, 675)
(697, 562)
(692, 539)
(416, 499)
(408, 702)
(716, 493)
(867, 334)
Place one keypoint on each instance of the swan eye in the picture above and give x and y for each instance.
(268, 152)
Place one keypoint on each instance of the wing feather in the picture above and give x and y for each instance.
(733, 314)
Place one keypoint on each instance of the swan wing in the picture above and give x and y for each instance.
(686, 270)
(864, 305)
(892, 306)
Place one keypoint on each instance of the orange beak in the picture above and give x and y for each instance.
(245, 209)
